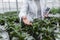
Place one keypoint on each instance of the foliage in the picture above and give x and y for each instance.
(45, 28)
(2, 22)
(0, 37)
(11, 13)
(55, 10)
(42, 28)
(15, 30)
(39, 30)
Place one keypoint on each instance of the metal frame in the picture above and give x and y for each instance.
(9, 6)
(17, 6)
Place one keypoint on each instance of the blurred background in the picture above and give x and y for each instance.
(10, 5)
(15, 5)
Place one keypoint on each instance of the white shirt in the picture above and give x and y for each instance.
(29, 9)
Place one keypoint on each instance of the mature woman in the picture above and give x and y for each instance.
(31, 9)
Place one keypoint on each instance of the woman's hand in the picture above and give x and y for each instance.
(26, 21)
(45, 15)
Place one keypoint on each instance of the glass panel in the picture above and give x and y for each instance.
(20, 0)
(12, 0)
(5, 0)
(49, 0)
(19, 5)
(1, 11)
(13, 9)
(12, 4)
(0, 0)
(6, 9)
(1, 5)
(6, 5)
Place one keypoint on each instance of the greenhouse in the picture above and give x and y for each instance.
(29, 19)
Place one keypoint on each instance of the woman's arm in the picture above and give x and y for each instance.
(24, 9)
(23, 12)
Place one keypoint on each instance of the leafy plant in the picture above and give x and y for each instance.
(2, 22)
(11, 12)
(39, 30)
(1, 37)
(44, 27)
(55, 10)
(58, 10)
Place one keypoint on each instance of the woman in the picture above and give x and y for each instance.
(31, 9)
